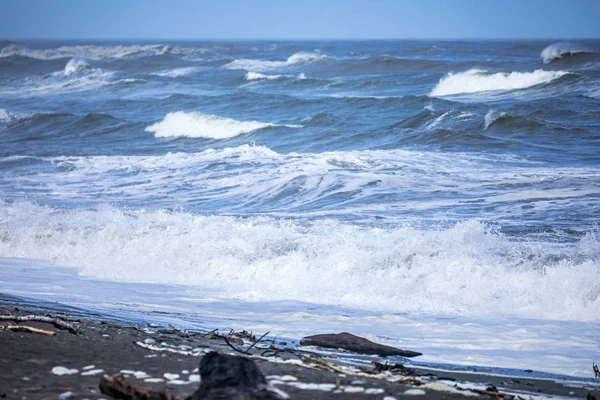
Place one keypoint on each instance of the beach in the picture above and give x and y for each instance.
(103, 346)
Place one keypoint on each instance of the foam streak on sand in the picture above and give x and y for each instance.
(476, 80)
(198, 125)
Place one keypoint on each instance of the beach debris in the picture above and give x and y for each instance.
(117, 387)
(393, 368)
(92, 372)
(247, 351)
(57, 322)
(356, 344)
(63, 371)
(23, 328)
(596, 371)
(229, 376)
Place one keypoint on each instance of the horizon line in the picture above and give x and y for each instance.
(298, 39)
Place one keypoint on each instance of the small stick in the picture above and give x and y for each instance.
(30, 329)
(59, 323)
(255, 343)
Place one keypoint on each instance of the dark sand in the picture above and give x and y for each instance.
(27, 360)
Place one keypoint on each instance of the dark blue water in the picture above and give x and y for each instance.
(467, 172)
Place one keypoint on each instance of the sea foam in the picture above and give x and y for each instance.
(466, 269)
(198, 125)
(475, 80)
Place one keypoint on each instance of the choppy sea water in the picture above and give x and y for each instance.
(441, 196)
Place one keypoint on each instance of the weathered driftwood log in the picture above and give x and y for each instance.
(233, 377)
(57, 322)
(30, 329)
(118, 388)
(356, 344)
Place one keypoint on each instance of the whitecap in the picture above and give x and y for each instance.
(475, 80)
(176, 72)
(267, 65)
(557, 51)
(198, 125)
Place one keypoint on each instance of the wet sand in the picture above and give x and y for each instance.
(152, 357)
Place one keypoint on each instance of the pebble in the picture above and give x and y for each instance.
(150, 356)
(195, 370)
(66, 395)
(88, 367)
(170, 377)
(414, 392)
(63, 371)
(374, 391)
(154, 380)
(26, 378)
(185, 371)
(92, 372)
(194, 378)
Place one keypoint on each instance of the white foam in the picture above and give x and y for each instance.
(465, 269)
(176, 72)
(198, 125)
(251, 76)
(557, 51)
(266, 65)
(475, 80)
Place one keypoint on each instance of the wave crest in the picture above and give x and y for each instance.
(198, 125)
(92, 52)
(476, 80)
(75, 66)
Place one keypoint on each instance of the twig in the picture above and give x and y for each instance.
(233, 347)
(30, 329)
(255, 343)
(59, 323)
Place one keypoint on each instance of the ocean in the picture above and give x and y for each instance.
(442, 196)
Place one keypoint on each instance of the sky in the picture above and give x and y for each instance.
(298, 19)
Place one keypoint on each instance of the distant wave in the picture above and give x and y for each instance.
(198, 125)
(265, 65)
(252, 76)
(84, 51)
(475, 80)
(493, 116)
(558, 51)
(176, 72)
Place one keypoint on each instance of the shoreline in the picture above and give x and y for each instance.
(147, 353)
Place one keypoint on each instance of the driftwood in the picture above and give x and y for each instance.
(59, 323)
(23, 328)
(393, 368)
(356, 344)
(118, 388)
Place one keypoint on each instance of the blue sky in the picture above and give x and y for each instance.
(308, 19)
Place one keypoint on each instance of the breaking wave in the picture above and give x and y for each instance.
(265, 65)
(252, 76)
(198, 125)
(466, 269)
(75, 66)
(475, 80)
(558, 51)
